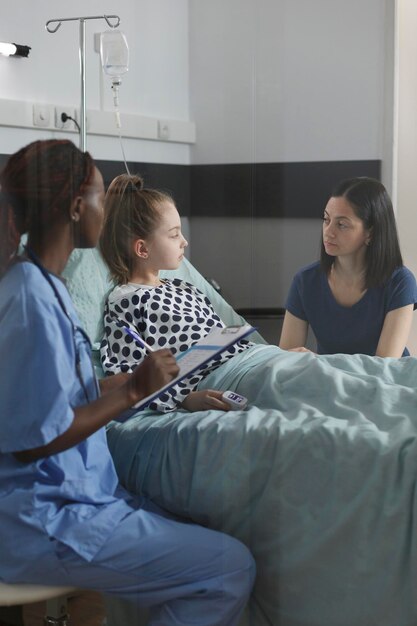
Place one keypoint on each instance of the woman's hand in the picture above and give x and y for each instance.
(300, 349)
(395, 332)
(294, 332)
(157, 370)
(204, 400)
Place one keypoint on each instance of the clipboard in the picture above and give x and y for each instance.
(215, 342)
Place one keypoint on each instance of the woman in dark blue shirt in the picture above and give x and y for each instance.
(359, 298)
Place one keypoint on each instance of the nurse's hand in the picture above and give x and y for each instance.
(157, 370)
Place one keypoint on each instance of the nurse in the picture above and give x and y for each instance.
(63, 518)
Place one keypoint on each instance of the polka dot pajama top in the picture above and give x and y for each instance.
(175, 315)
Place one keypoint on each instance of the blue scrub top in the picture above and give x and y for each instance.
(69, 496)
(349, 330)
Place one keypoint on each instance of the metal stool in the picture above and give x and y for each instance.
(56, 597)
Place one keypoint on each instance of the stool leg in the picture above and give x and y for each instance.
(56, 612)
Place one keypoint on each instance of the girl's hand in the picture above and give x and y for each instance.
(204, 400)
(157, 370)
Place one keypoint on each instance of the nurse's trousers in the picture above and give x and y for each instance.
(186, 574)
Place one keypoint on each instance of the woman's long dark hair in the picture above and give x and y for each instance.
(37, 183)
(371, 203)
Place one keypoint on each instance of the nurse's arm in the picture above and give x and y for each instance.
(109, 383)
(294, 332)
(395, 332)
(153, 373)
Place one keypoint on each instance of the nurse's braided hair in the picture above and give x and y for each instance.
(37, 183)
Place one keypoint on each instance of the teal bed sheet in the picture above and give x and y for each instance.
(317, 477)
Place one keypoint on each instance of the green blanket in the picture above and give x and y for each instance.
(317, 477)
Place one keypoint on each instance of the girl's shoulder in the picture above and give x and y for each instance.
(187, 291)
(135, 294)
(183, 284)
(130, 290)
(122, 291)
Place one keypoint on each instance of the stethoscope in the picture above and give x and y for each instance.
(74, 328)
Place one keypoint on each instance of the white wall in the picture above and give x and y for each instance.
(405, 154)
(287, 80)
(156, 85)
(264, 80)
(284, 81)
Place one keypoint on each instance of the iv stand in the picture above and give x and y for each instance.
(82, 20)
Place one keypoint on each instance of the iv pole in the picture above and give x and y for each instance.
(82, 20)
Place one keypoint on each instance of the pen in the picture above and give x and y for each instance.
(138, 338)
(132, 333)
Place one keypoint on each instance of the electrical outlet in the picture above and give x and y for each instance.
(59, 122)
(163, 130)
(78, 119)
(42, 114)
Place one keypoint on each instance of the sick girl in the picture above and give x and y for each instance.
(141, 236)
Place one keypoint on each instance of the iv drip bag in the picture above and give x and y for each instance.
(114, 54)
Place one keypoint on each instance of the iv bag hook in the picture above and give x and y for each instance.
(82, 20)
(59, 21)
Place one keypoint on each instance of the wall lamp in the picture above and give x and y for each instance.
(14, 50)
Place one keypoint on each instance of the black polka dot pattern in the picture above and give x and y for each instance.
(175, 315)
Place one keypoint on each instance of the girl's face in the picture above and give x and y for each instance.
(344, 232)
(165, 247)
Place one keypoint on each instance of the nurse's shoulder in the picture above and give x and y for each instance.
(23, 289)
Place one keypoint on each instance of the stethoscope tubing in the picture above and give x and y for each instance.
(36, 261)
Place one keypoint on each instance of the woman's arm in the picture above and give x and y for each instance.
(395, 332)
(155, 371)
(294, 332)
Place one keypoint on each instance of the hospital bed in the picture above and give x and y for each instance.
(317, 477)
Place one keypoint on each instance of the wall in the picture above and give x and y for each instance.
(288, 81)
(156, 84)
(405, 153)
(276, 82)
